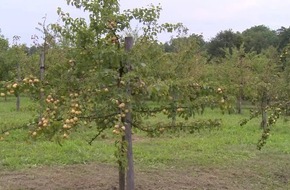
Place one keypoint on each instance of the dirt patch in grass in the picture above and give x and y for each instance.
(105, 177)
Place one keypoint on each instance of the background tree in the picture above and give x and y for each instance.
(284, 73)
(223, 40)
(5, 67)
(283, 38)
(258, 38)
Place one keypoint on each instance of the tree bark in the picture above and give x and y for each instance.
(239, 103)
(18, 80)
(126, 149)
(42, 71)
(128, 125)
(122, 174)
(18, 103)
(264, 104)
(42, 68)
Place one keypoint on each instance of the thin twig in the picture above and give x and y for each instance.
(96, 136)
(13, 128)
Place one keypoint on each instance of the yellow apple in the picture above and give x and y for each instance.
(122, 105)
(15, 85)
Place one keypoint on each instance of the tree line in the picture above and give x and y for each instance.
(255, 39)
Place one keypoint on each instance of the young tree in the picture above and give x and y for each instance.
(236, 73)
(17, 60)
(98, 75)
(267, 96)
(101, 80)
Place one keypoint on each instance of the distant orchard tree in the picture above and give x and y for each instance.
(4, 66)
(33, 50)
(174, 44)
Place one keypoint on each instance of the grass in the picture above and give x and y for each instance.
(230, 146)
(9, 116)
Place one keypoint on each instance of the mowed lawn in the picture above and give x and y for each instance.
(230, 148)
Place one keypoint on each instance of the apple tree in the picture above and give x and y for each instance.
(102, 79)
(268, 93)
(236, 73)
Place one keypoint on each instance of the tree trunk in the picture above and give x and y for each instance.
(18, 103)
(122, 167)
(174, 107)
(264, 104)
(41, 75)
(121, 178)
(128, 137)
(241, 86)
(239, 104)
(128, 126)
(42, 68)
(18, 80)
(126, 144)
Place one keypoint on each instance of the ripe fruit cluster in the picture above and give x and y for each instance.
(111, 25)
(48, 116)
(50, 99)
(119, 127)
(220, 90)
(52, 106)
(72, 115)
(15, 88)
(180, 109)
(69, 123)
(138, 87)
(31, 80)
(11, 88)
(75, 106)
(43, 123)
(54, 113)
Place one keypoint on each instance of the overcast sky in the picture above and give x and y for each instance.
(207, 17)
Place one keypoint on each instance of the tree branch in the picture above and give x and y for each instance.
(96, 136)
